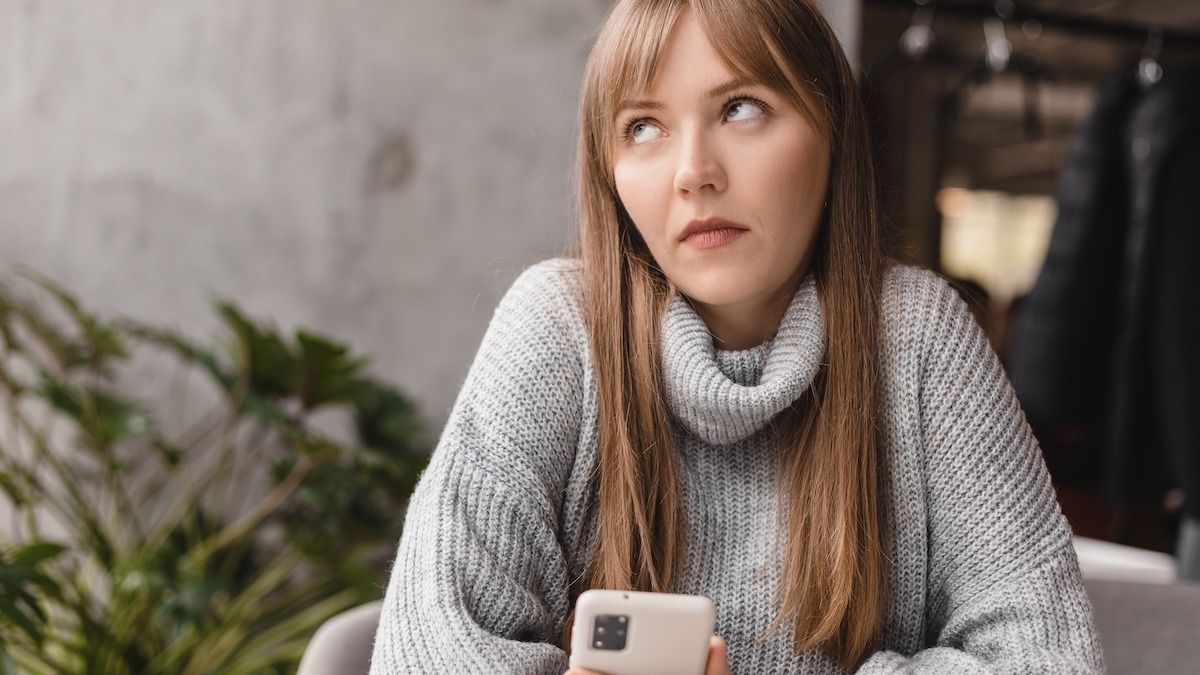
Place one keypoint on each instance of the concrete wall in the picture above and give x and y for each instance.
(845, 17)
(376, 170)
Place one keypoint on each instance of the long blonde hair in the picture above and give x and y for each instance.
(834, 585)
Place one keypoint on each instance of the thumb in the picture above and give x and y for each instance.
(718, 657)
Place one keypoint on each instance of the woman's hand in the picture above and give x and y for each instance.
(718, 660)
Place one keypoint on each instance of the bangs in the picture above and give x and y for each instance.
(747, 40)
(737, 33)
(633, 50)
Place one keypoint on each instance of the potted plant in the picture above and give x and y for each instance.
(136, 542)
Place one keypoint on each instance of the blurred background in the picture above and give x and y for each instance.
(1044, 156)
(258, 243)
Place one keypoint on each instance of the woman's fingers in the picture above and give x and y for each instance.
(718, 657)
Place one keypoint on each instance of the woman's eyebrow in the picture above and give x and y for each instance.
(722, 89)
(715, 92)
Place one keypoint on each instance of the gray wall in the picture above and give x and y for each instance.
(377, 170)
(845, 17)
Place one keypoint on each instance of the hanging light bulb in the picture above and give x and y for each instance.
(917, 39)
(1150, 71)
(997, 48)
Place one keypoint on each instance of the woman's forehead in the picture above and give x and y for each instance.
(647, 81)
(733, 51)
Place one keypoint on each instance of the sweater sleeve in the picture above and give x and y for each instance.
(1004, 590)
(479, 584)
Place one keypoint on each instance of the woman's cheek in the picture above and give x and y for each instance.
(648, 211)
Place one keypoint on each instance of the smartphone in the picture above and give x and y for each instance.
(633, 633)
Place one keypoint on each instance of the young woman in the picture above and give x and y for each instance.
(731, 393)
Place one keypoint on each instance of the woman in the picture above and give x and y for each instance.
(730, 394)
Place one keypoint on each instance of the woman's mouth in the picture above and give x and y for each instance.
(714, 238)
(712, 232)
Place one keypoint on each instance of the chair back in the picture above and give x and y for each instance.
(1147, 628)
(342, 645)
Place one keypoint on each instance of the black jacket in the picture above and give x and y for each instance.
(1106, 357)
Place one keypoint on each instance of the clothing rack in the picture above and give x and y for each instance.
(1069, 23)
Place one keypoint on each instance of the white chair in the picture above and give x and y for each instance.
(342, 645)
(1147, 628)
(1107, 561)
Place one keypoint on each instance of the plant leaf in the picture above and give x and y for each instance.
(15, 493)
(102, 341)
(386, 419)
(38, 552)
(327, 372)
(19, 577)
(102, 416)
(260, 355)
(66, 352)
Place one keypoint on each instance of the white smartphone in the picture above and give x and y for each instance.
(632, 633)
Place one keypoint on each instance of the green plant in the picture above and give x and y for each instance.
(129, 549)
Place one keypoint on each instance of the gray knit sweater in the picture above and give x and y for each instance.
(984, 578)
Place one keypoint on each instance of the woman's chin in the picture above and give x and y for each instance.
(718, 292)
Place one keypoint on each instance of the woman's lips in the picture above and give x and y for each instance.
(711, 232)
(714, 238)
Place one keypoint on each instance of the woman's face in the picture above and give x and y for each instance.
(699, 149)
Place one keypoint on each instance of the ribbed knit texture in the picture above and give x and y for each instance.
(718, 399)
(984, 578)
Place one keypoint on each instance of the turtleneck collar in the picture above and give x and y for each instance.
(723, 397)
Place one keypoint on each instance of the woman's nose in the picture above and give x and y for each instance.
(698, 165)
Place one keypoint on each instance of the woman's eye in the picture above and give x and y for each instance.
(640, 131)
(742, 110)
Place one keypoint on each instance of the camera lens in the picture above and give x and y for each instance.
(609, 631)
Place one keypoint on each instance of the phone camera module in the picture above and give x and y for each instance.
(609, 631)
